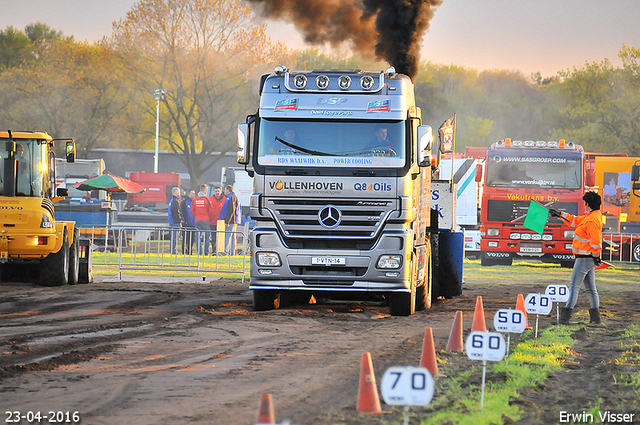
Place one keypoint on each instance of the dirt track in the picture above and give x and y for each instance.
(172, 351)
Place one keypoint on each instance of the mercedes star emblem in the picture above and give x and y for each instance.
(329, 217)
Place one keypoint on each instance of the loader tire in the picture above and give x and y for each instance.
(54, 269)
(74, 258)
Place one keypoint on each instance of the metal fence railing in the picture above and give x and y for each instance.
(169, 248)
(621, 247)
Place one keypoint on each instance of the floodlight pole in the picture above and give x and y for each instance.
(158, 94)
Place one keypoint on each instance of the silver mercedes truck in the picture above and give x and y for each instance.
(342, 189)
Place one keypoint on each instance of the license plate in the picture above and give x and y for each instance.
(329, 261)
(527, 249)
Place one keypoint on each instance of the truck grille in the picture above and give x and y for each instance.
(299, 218)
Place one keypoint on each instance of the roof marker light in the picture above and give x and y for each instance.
(507, 142)
(344, 82)
(322, 81)
(541, 144)
(529, 143)
(516, 143)
(300, 81)
(562, 143)
(366, 82)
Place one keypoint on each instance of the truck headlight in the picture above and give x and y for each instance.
(389, 262)
(568, 246)
(514, 236)
(547, 237)
(493, 232)
(568, 234)
(269, 259)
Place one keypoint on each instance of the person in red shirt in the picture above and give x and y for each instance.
(201, 209)
(217, 201)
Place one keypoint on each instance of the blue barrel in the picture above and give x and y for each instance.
(448, 272)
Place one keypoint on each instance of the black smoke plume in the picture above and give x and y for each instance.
(390, 29)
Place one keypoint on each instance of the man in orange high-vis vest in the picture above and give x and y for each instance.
(587, 248)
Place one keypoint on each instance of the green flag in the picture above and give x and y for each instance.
(536, 217)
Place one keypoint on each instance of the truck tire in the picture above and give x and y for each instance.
(402, 303)
(635, 252)
(74, 258)
(424, 291)
(264, 299)
(54, 269)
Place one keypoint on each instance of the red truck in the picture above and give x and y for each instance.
(553, 173)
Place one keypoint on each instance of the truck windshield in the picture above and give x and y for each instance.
(540, 169)
(368, 144)
(31, 167)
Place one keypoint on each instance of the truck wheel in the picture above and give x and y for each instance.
(635, 252)
(54, 269)
(423, 292)
(264, 299)
(74, 258)
(402, 303)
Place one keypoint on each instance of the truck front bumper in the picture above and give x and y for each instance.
(331, 270)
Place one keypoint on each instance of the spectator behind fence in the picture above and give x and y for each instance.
(174, 218)
(217, 201)
(231, 213)
(188, 222)
(201, 209)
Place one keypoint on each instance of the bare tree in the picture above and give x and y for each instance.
(203, 53)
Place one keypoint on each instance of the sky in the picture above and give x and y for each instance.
(531, 36)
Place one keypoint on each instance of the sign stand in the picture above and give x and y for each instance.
(538, 304)
(557, 293)
(509, 321)
(484, 377)
(485, 346)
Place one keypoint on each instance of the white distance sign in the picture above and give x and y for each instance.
(486, 346)
(538, 304)
(507, 320)
(557, 293)
(407, 386)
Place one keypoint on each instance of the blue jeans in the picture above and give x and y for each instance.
(202, 236)
(583, 271)
(230, 238)
(174, 238)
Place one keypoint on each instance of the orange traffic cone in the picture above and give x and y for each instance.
(520, 307)
(265, 411)
(428, 358)
(368, 400)
(455, 337)
(479, 324)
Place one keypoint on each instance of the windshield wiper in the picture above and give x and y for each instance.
(301, 149)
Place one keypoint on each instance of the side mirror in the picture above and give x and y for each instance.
(425, 139)
(62, 191)
(635, 173)
(70, 150)
(478, 173)
(243, 143)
